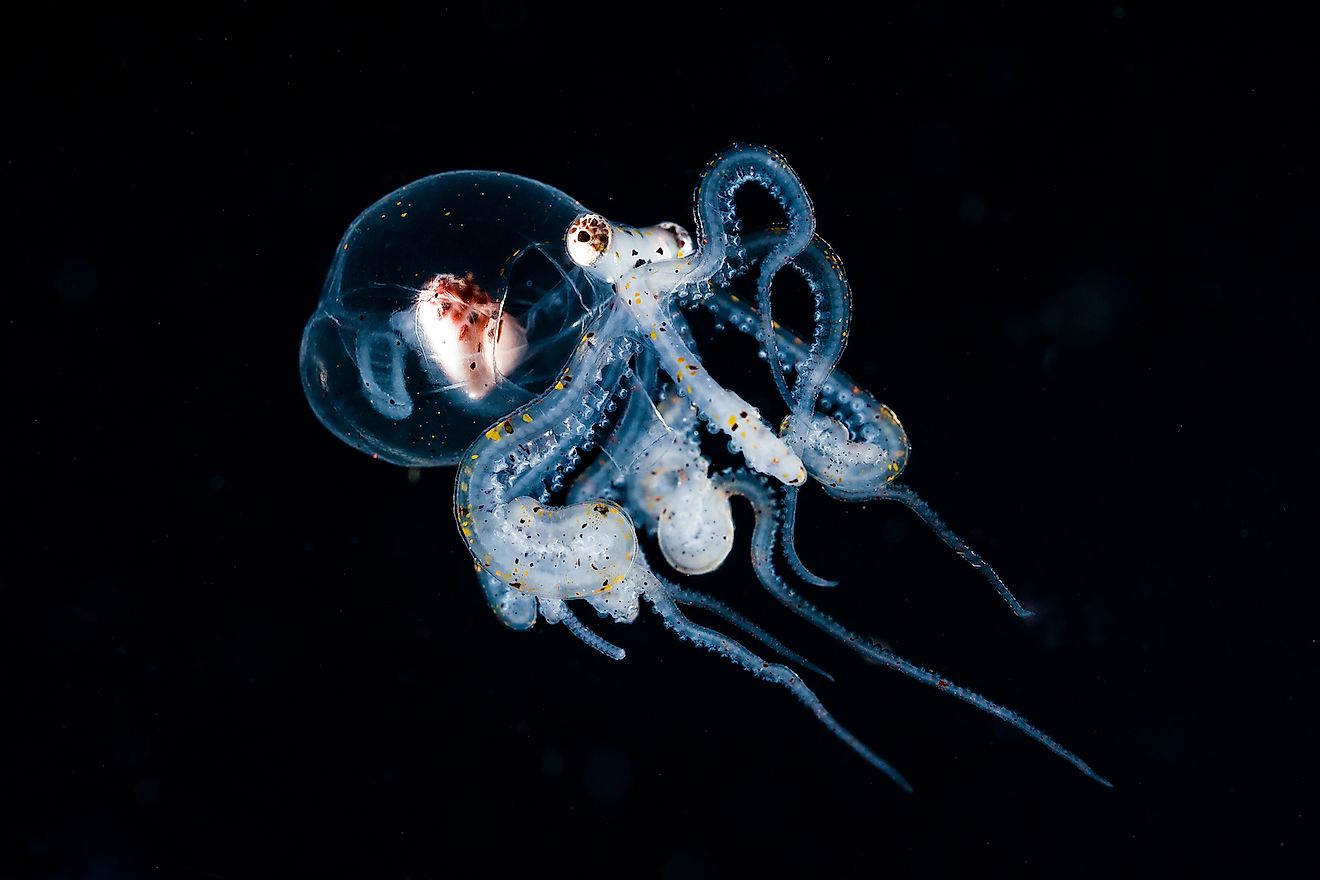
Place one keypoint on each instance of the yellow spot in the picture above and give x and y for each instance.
(774, 323)
(559, 386)
(733, 420)
(655, 335)
(734, 298)
(493, 434)
(404, 214)
(681, 360)
(474, 456)
(526, 417)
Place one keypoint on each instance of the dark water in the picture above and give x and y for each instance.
(1082, 247)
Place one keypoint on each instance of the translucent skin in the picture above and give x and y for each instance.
(556, 477)
(383, 364)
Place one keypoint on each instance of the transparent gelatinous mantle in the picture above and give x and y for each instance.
(449, 302)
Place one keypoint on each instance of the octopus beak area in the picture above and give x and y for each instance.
(588, 238)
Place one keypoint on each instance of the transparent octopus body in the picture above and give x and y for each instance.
(489, 322)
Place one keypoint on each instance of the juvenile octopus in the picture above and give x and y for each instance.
(488, 321)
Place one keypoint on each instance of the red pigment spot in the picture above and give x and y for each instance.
(941, 684)
(453, 288)
(460, 299)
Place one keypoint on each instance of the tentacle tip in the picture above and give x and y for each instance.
(1088, 772)
(1024, 613)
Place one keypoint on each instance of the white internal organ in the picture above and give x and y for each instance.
(578, 551)
(465, 335)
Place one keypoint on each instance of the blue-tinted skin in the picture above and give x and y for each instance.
(619, 391)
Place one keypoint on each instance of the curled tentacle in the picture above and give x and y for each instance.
(720, 232)
(838, 397)
(823, 271)
(507, 476)
(814, 363)
(766, 508)
(656, 592)
(557, 611)
(860, 469)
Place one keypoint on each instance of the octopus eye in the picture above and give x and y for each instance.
(588, 238)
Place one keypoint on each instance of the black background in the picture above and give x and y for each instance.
(1082, 246)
